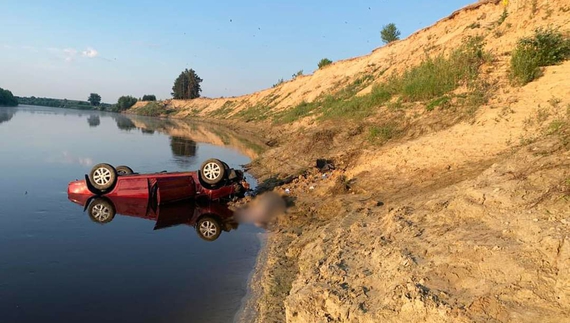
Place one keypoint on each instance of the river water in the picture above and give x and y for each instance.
(58, 265)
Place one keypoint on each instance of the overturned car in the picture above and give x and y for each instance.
(214, 181)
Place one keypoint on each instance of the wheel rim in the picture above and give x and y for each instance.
(101, 213)
(208, 229)
(102, 176)
(212, 171)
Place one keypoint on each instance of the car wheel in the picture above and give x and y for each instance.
(208, 228)
(103, 176)
(212, 171)
(124, 170)
(101, 210)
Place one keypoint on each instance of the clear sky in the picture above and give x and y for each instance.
(68, 49)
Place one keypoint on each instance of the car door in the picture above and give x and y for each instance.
(174, 188)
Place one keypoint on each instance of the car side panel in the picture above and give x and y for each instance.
(175, 188)
(133, 187)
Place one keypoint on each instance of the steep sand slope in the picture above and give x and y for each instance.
(469, 223)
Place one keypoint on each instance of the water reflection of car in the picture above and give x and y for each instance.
(208, 218)
(215, 180)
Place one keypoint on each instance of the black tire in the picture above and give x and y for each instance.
(208, 228)
(124, 170)
(101, 210)
(103, 176)
(212, 171)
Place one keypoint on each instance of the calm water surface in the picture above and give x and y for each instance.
(57, 265)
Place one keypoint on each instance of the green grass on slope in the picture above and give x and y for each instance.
(431, 79)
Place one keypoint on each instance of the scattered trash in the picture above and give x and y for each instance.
(287, 191)
(312, 188)
(324, 176)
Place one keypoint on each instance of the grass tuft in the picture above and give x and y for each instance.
(382, 133)
(443, 101)
(440, 75)
(224, 110)
(257, 112)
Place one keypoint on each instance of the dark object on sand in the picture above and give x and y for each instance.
(325, 165)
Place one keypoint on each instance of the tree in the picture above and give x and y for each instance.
(7, 98)
(94, 99)
(187, 85)
(324, 62)
(299, 73)
(390, 33)
(149, 97)
(126, 102)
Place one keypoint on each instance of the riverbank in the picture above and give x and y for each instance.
(401, 233)
(453, 208)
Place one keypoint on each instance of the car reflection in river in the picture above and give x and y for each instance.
(207, 217)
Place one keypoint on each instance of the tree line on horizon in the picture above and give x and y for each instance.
(62, 103)
(93, 102)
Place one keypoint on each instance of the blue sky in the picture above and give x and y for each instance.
(68, 49)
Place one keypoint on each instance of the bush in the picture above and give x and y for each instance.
(299, 73)
(547, 47)
(324, 62)
(152, 109)
(149, 97)
(279, 82)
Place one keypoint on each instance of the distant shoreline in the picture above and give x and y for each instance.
(62, 103)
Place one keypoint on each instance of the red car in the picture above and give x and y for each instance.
(215, 180)
(209, 218)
